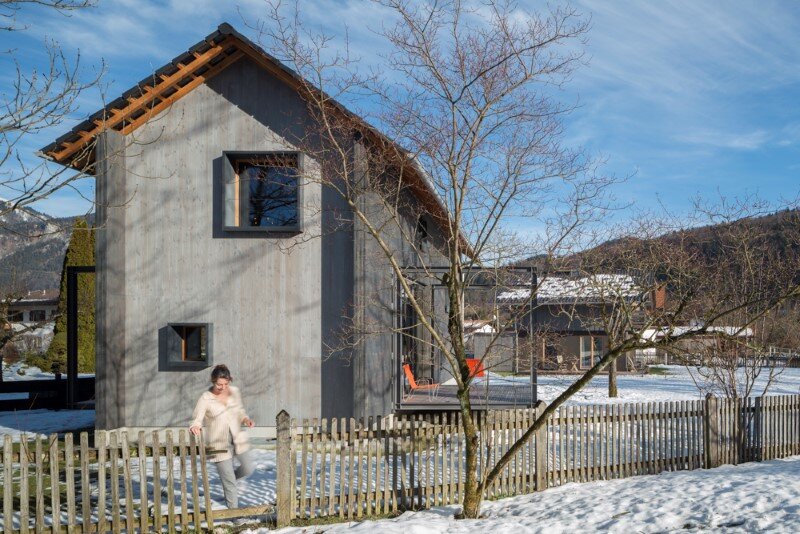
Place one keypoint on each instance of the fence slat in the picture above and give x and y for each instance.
(157, 517)
(24, 489)
(332, 480)
(8, 486)
(128, 482)
(170, 457)
(144, 502)
(69, 468)
(55, 490)
(182, 452)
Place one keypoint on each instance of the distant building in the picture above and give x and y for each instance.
(32, 317)
(564, 322)
(34, 307)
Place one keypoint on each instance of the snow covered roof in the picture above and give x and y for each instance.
(566, 290)
(32, 297)
(655, 333)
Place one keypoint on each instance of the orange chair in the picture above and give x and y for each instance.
(424, 384)
(475, 367)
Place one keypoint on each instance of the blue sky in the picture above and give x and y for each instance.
(687, 98)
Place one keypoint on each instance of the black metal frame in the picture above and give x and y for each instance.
(72, 327)
(430, 272)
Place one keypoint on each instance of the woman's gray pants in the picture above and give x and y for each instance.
(229, 476)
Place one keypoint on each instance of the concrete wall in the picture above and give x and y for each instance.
(164, 257)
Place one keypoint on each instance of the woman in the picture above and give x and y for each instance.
(221, 412)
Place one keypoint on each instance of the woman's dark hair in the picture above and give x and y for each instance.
(221, 371)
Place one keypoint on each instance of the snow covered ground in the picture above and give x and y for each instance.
(675, 384)
(762, 497)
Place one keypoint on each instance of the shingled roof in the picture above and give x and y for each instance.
(188, 70)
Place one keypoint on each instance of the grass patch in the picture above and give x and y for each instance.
(653, 370)
(334, 519)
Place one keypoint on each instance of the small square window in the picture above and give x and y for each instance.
(263, 192)
(15, 316)
(186, 346)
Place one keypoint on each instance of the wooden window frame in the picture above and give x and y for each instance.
(233, 216)
(173, 347)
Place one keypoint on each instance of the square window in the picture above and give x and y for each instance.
(263, 192)
(15, 316)
(186, 346)
(38, 315)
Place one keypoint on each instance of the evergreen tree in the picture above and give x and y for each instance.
(79, 252)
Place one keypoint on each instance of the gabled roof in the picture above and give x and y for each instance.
(190, 69)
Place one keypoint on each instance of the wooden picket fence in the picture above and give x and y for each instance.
(351, 468)
(51, 485)
(356, 468)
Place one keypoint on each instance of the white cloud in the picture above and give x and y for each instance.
(737, 141)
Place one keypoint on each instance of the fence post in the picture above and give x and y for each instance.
(285, 469)
(541, 449)
(758, 430)
(711, 432)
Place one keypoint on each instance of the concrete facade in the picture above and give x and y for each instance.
(277, 304)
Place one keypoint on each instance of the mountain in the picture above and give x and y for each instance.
(32, 246)
(778, 233)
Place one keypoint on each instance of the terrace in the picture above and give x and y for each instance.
(423, 378)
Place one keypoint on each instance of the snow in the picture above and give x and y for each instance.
(673, 331)
(675, 385)
(44, 421)
(754, 497)
(560, 290)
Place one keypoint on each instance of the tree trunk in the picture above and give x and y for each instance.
(612, 379)
(473, 489)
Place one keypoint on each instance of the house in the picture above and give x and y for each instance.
(730, 341)
(219, 242)
(32, 317)
(566, 320)
(33, 307)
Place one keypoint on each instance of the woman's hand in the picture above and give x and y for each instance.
(248, 422)
(195, 430)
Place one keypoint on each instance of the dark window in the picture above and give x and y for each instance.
(37, 315)
(187, 346)
(263, 193)
(14, 316)
(421, 237)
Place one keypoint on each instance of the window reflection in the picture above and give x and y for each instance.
(272, 195)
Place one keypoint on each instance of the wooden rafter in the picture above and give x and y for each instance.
(151, 98)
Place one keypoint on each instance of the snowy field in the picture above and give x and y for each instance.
(761, 497)
(676, 384)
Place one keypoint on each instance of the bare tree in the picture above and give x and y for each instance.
(37, 99)
(467, 90)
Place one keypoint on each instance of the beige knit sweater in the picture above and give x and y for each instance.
(222, 424)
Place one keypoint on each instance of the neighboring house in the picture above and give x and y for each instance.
(565, 325)
(34, 307)
(32, 317)
(731, 340)
(210, 249)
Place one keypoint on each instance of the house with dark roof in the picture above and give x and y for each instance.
(568, 317)
(220, 242)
